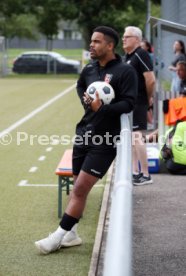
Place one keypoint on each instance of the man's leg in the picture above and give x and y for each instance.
(81, 189)
(77, 199)
(73, 212)
(89, 166)
(135, 161)
(141, 153)
(72, 238)
(136, 171)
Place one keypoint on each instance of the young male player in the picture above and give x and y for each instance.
(91, 159)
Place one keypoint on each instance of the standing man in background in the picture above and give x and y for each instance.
(140, 60)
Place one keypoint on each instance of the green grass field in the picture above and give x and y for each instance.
(29, 213)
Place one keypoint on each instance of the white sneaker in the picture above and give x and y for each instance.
(52, 242)
(71, 239)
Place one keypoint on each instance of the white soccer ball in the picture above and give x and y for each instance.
(104, 89)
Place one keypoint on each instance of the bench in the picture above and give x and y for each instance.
(65, 177)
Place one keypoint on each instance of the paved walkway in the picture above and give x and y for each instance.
(159, 228)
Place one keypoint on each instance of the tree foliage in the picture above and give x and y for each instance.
(18, 17)
(20, 25)
(16, 20)
(48, 15)
(117, 14)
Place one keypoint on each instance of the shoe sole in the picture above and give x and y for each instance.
(75, 242)
(143, 183)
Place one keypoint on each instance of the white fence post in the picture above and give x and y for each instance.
(118, 256)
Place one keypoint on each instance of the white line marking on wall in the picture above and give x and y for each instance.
(42, 158)
(36, 111)
(33, 169)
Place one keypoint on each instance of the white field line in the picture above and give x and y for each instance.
(42, 158)
(33, 169)
(24, 183)
(36, 111)
(49, 149)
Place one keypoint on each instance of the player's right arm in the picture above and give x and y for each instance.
(81, 88)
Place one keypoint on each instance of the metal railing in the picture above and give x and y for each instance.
(118, 256)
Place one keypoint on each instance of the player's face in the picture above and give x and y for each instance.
(98, 46)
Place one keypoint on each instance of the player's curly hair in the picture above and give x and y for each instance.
(110, 32)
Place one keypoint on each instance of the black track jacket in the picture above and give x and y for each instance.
(122, 77)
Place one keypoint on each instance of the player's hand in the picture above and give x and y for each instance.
(87, 99)
(96, 103)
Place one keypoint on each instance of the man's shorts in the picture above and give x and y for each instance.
(94, 160)
(140, 117)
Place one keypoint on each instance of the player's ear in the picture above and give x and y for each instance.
(111, 45)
